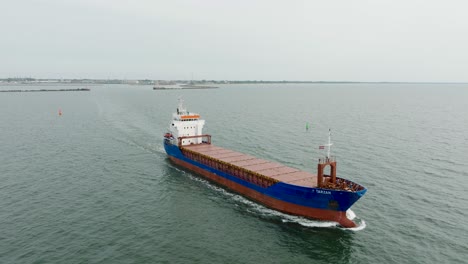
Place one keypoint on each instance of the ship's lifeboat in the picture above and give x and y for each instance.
(168, 135)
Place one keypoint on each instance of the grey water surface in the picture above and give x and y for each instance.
(94, 185)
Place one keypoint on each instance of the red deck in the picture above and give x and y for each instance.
(267, 168)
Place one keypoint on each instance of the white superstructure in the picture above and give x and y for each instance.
(186, 124)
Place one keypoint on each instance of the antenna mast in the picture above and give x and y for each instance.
(181, 108)
(329, 144)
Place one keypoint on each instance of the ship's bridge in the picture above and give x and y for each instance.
(186, 124)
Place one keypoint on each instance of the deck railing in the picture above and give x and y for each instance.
(327, 160)
(207, 141)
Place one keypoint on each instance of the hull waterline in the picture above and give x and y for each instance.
(285, 207)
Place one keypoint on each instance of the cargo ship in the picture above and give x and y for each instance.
(321, 196)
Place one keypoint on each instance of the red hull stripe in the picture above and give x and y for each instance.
(282, 206)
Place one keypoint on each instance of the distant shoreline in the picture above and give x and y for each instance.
(164, 83)
(46, 90)
(46, 84)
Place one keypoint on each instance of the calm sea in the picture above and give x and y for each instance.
(95, 186)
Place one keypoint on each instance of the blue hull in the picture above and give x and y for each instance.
(316, 198)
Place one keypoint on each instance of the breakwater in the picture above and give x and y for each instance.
(192, 87)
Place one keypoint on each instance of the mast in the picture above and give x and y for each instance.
(328, 161)
(329, 144)
(181, 108)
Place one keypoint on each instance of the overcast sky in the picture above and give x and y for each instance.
(353, 40)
